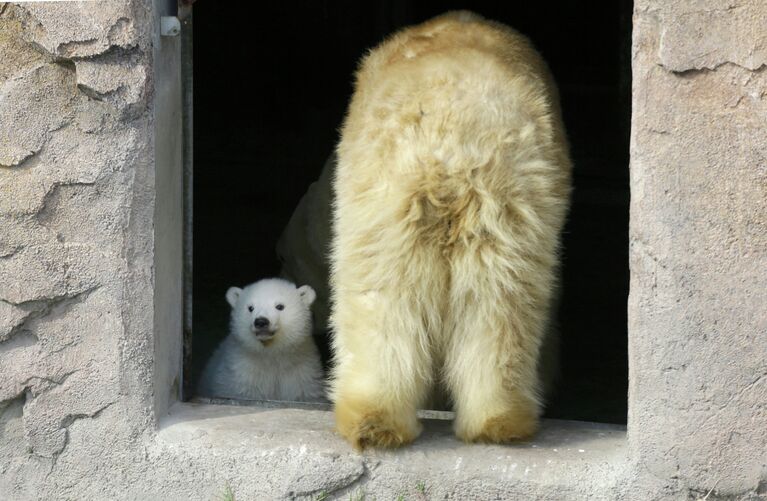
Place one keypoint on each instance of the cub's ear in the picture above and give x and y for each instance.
(232, 295)
(307, 295)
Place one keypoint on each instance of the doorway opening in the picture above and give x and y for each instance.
(271, 86)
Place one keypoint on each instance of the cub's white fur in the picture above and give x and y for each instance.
(269, 353)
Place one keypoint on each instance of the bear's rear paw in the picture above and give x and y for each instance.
(368, 426)
(513, 425)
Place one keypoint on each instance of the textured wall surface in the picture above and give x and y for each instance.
(698, 305)
(76, 201)
(87, 369)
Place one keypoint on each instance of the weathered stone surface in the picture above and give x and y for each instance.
(17, 54)
(17, 467)
(567, 460)
(697, 322)
(70, 158)
(46, 277)
(115, 79)
(82, 30)
(11, 316)
(33, 104)
(705, 34)
(76, 202)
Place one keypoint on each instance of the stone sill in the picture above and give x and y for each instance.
(299, 456)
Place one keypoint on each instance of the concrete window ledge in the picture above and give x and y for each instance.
(263, 453)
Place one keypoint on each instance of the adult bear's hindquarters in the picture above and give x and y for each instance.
(451, 190)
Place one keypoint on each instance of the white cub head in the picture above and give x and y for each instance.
(271, 313)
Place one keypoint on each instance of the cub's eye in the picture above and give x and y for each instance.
(250, 309)
(280, 307)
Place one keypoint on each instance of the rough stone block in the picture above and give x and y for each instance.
(33, 105)
(81, 30)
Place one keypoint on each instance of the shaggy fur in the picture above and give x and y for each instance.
(269, 353)
(452, 187)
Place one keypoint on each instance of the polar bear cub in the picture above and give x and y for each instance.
(269, 353)
(451, 190)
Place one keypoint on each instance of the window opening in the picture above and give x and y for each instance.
(271, 86)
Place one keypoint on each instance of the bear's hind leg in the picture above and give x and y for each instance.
(492, 354)
(383, 369)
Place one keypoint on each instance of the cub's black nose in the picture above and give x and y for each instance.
(261, 322)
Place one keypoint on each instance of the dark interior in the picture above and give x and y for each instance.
(271, 84)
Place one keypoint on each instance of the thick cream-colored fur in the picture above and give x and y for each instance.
(452, 187)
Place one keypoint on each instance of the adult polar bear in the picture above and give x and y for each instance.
(452, 188)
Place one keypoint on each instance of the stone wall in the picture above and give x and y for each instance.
(90, 337)
(76, 244)
(698, 304)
